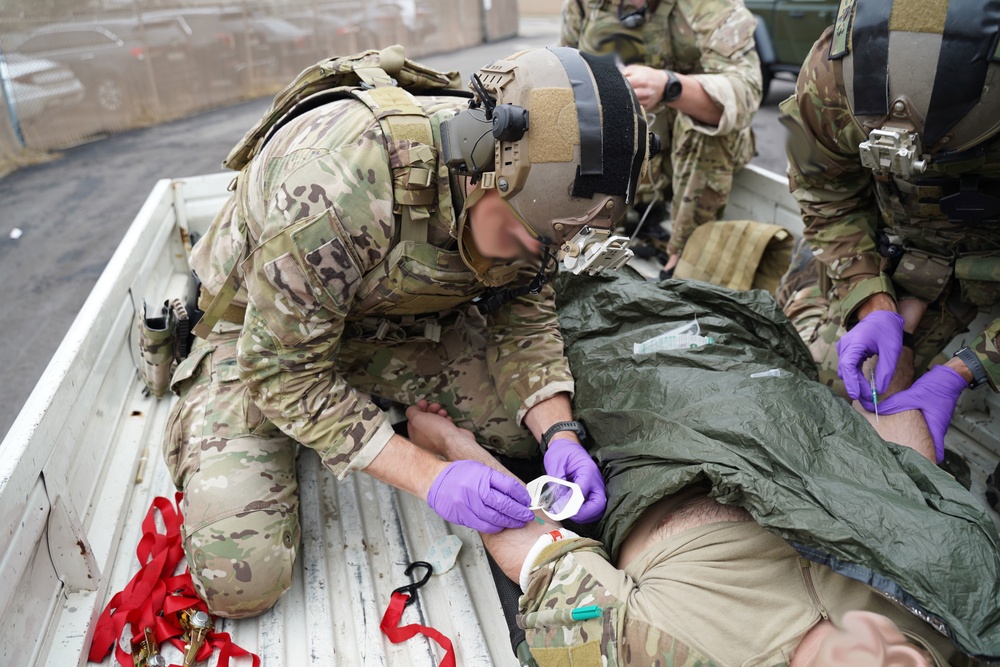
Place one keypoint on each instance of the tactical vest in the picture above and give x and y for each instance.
(942, 227)
(385, 82)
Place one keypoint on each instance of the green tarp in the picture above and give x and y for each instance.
(800, 460)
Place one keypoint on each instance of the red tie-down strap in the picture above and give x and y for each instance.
(396, 634)
(155, 596)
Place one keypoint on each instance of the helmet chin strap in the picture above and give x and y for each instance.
(494, 298)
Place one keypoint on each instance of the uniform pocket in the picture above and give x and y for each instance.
(556, 639)
(188, 368)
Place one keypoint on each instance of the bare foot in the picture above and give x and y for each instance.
(431, 429)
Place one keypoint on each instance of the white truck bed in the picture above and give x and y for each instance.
(82, 462)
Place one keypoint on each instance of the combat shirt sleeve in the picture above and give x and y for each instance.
(301, 279)
(572, 20)
(524, 353)
(730, 68)
(835, 193)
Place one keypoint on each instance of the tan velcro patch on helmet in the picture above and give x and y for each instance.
(553, 131)
(918, 16)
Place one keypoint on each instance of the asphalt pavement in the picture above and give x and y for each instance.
(72, 212)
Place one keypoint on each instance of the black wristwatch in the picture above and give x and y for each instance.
(673, 88)
(975, 366)
(576, 427)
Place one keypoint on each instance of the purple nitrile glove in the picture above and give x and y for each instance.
(935, 394)
(567, 459)
(881, 333)
(477, 496)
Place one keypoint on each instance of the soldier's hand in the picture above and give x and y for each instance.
(474, 495)
(647, 82)
(567, 459)
(881, 333)
(935, 394)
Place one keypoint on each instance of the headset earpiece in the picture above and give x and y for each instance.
(510, 122)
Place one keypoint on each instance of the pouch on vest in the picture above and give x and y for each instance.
(979, 278)
(158, 344)
(923, 274)
(738, 254)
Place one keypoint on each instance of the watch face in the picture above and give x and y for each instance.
(672, 90)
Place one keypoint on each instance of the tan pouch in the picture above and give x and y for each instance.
(922, 274)
(160, 341)
(738, 254)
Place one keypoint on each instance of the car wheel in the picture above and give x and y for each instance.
(109, 93)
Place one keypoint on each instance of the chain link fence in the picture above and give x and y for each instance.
(72, 70)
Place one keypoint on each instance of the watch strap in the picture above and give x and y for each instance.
(979, 377)
(574, 426)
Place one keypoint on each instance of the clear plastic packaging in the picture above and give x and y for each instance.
(685, 336)
(773, 373)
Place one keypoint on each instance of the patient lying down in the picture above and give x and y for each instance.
(696, 582)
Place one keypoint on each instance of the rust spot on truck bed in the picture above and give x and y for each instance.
(83, 547)
(137, 413)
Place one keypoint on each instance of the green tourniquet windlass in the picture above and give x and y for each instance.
(800, 460)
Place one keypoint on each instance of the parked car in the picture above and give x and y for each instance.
(122, 63)
(786, 30)
(276, 48)
(336, 33)
(213, 34)
(40, 85)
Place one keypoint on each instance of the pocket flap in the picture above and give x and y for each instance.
(187, 368)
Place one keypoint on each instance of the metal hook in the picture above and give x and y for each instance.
(411, 589)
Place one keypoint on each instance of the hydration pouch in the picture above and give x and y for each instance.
(159, 338)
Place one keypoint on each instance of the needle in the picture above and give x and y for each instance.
(874, 396)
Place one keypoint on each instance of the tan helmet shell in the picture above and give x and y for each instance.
(535, 174)
(916, 49)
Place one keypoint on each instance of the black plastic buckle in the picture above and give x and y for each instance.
(411, 588)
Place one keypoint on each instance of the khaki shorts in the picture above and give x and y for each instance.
(728, 593)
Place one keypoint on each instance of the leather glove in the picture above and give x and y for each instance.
(881, 333)
(477, 496)
(935, 394)
(567, 459)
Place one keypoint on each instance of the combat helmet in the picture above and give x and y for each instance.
(563, 139)
(922, 77)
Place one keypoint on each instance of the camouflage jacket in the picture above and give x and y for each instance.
(325, 258)
(844, 207)
(710, 40)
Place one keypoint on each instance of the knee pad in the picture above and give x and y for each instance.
(242, 563)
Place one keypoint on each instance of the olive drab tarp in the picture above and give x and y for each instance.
(799, 459)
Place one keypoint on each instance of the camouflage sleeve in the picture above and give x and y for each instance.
(525, 352)
(215, 252)
(572, 21)
(833, 190)
(986, 347)
(316, 216)
(730, 68)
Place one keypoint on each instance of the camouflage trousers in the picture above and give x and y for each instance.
(694, 171)
(816, 316)
(237, 470)
(722, 593)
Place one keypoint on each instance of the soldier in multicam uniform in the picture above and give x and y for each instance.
(894, 159)
(693, 63)
(356, 252)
